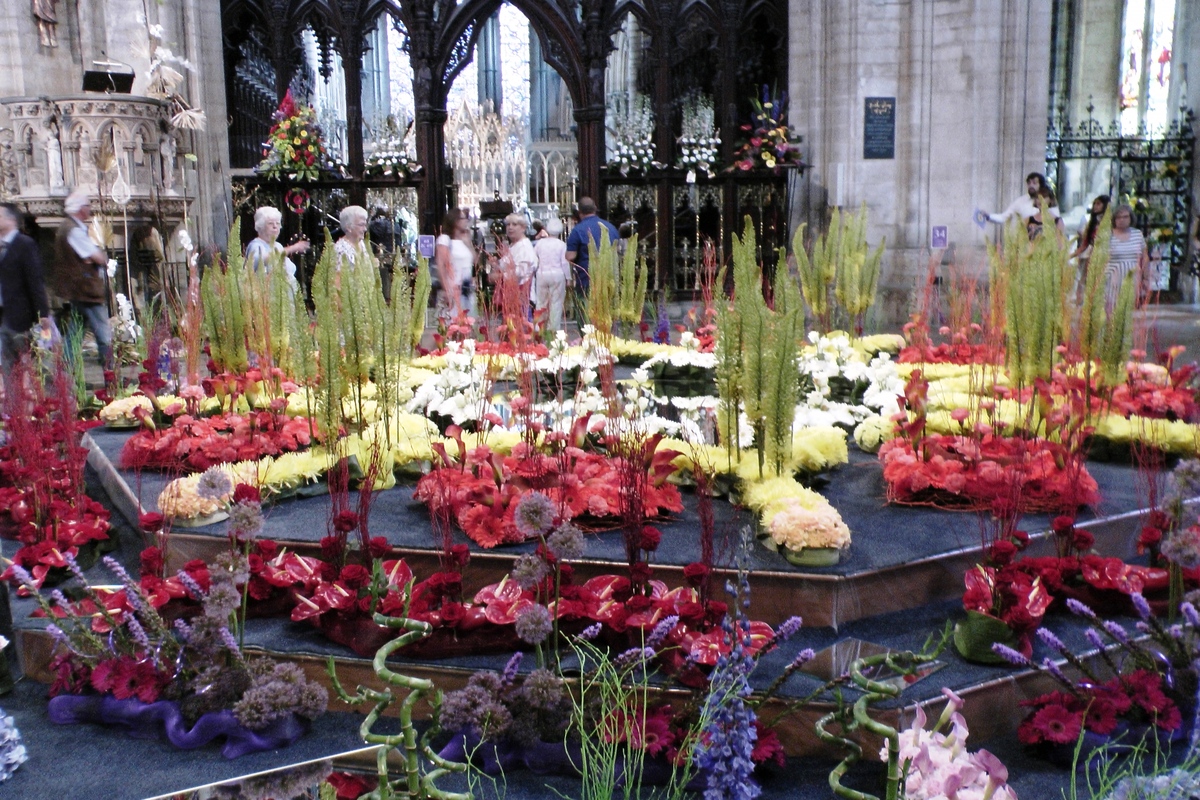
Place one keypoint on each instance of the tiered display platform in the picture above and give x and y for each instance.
(900, 583)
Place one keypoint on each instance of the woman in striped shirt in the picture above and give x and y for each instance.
(1126, 253)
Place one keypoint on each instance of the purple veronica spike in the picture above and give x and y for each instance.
(1190, 614)
(74, 567)
(591, 632)
(184, 629)
(1143, 627)
(56, 632)
(23, 576)
(633, 657)
(1050, 640)
(190, 584)
(788, 629)
(1115, 630)
(1081, 609)
(1139, 603)
(115, 567)
(657, 636)
(60, 599)
(1053, 669)
(1010, 655)
(138, 633)
(230, 641)
(1175, 631)
(511, 668)
(1094, 638)
(803, 657)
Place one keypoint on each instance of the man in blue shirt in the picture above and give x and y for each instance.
(588, 229)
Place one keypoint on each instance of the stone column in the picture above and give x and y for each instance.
(590, 120)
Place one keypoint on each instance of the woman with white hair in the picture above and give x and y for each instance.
(519, 261)
(550, 279)
(260, 252)
(353, 220)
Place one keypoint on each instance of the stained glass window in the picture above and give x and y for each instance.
(1147, 38)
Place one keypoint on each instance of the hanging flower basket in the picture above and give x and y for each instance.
(163, 719)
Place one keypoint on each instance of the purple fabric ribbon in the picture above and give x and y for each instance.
(154, 720)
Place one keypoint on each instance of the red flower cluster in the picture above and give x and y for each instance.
(41, 489)
(960, 472)
(481, 488)
(194, 444)
(1138, 697)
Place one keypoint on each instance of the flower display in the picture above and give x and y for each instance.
(796, 527)
(12, 749)
(194, 444)
(390, 155)
(294, 150)
(939, 765)
(632, 122)
(700, 142)
(127, 410)
(770, 140)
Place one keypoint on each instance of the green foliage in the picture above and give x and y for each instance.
(1091, 312)
(728, 371)
(1118, 334)
(1036, 293)
(224, 308)
(602, 284)
(635, 278)
(841, 261)
(330, 375)
(419, 299)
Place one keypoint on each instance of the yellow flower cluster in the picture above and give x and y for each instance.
(794, 516)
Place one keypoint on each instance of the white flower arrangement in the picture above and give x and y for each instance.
(633, 130)
(455, 391)
(839, 388)
(126, 328)
(700, 143)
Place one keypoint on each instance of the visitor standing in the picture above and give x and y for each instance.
(454, 265)
(79, 277)
(519, 261)
(22, 289)
(268, 222)
(1126, 254)
(386, 235)
(1087, 240)
(550, 280)
(589, 230)
(1028, 207)
(353, 220)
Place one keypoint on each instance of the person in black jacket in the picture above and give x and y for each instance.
(22, 288)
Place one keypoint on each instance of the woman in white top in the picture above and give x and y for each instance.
(1126, 253)
(454, 261)
(550, 280)
(353, 220)
(260, 252)
(517, 260)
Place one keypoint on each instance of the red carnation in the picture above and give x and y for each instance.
(378, 546)
(331, 547)
(267, 548)
(638, 603)
(355, 576)
(460, 554)
(639, 572)
(1150, 538)
(1002, 552)
(453, 614)
(1082, 540)
(245, 493)
(1062, 524)
(152, 562)
(345, 521)
(696, 574)
(152, 522)
(650, 538)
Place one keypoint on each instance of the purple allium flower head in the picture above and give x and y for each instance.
(1140, 604)
(246, 520)
(788, 629)
(189, 583)
(534, 624)
(511, 668)
(1115, 630)
(1183, 548)
(1186, 477)
(591, 632)
(1010, 655)
(534, 515)
(1190, 614)
(1080, 609)
(214, 484)
(567, 542)
(657, 636)
(529, 570)
(1050, 640)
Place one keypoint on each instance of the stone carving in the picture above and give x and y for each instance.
(47, 21)
(166, 152)
(54, 162)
